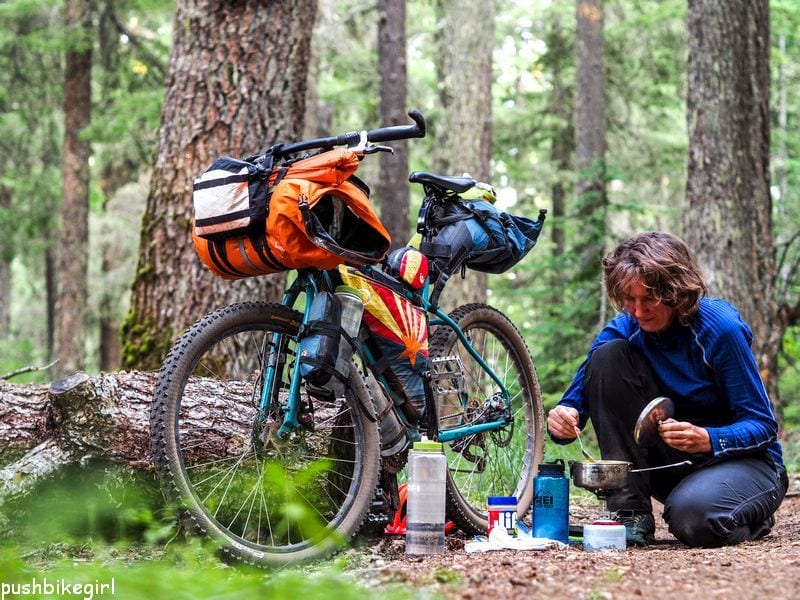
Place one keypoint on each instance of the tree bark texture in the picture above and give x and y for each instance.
(465, 39)
(562, 102)
(728, 222)
(590, 150)
(391, 191)
(74, 230)
(6, 256)
(79, 418)
(236, 84)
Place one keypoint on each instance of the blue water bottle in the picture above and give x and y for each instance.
(551, 502)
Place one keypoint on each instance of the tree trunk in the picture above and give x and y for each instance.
(74, 231)
(6, 255)
(563, 144)
(729, 220)
(464, 134)
(50, 293)
(43, 428)
(236, 84)
(392, 189)
(590, 149)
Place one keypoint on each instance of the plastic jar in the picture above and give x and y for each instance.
(502, 513)
(604, 535)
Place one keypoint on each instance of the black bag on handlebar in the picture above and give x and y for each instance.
(477, 234)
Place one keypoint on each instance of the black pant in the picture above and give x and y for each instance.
(710, 503)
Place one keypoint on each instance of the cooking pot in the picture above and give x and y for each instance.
(608, 474)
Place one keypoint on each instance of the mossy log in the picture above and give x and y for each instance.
(81, 418)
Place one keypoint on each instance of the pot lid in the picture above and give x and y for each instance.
(645, 433)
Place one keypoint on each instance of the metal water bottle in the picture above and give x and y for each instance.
(551, 502)
(427, 474)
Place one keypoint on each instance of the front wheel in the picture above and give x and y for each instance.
(264, 499)
(493, 463)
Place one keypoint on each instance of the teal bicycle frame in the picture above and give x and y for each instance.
(307, 283)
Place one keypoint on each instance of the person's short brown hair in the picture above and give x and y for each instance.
(663, 264)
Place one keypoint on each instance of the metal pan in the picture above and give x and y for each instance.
(609, 474)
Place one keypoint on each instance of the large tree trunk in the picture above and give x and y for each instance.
(729, 220)
(74, 232)
(392, 189)
(5, 270)
(590, 150)
(236, 84)
(77, 418)
(50, 286)
(562, 148)
(464, 134)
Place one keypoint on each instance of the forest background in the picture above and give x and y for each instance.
(533, 104)
(532, 157)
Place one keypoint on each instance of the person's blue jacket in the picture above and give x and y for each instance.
(707, 368)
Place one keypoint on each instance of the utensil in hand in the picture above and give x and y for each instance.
(585, 452)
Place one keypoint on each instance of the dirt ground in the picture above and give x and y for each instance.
(767, 568)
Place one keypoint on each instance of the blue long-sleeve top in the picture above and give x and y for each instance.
(707, 368)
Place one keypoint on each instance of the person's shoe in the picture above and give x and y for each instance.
(763, 528)
(640, 528)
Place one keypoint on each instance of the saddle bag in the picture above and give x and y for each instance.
(480, 236)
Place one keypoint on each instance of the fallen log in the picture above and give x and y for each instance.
(80, 418)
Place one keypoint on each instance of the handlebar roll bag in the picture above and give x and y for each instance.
(317, 214)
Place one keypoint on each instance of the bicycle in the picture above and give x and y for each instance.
(273, 474)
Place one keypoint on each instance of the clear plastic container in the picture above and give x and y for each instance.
(427, 475)
(352, 308)
(604, 535)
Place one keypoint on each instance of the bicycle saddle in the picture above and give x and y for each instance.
(457, 184)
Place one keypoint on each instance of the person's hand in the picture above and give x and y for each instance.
(562, 422)
(684, 436)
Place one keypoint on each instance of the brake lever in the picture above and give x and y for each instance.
(373, 148)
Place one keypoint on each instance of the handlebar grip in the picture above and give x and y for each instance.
(400, 132)
(352, 138)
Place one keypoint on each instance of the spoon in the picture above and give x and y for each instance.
(585, 452)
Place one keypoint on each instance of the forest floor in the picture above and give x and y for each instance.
(767, 568)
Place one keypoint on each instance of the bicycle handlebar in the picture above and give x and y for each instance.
(352, 138)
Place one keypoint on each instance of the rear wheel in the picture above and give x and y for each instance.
(263, 499)
(493, 463)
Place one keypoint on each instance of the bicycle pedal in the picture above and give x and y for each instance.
(447, 374)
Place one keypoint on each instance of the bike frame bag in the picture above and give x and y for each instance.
(399, 330)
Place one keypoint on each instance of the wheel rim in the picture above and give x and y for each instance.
(491, 463)
(269, 495)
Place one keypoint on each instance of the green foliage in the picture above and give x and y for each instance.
(130, 54)
(96, 524)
